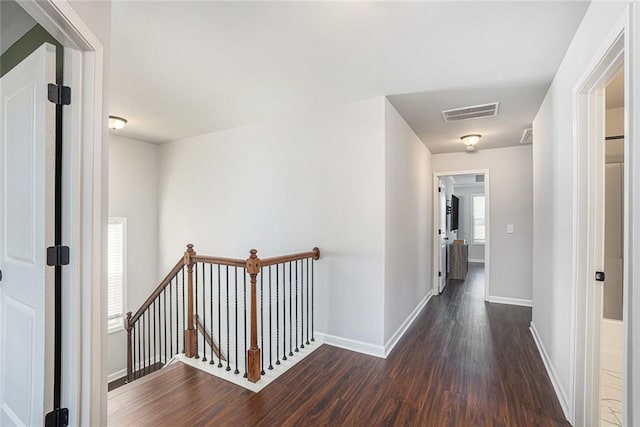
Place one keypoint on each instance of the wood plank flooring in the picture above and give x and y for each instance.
(464, 362)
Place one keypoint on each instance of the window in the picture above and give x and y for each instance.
(478, 219)
(116, 272)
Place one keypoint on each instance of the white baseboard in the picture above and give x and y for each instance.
(123, 372)
(353, 345)
(117, 375)
(480, 261)
(511, 301)
(391, 343)
(372, 349)
(562, 396)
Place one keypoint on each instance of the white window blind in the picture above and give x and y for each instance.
(478, 219)
(116, 272)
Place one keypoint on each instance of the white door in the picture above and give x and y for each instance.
(442, 282)
(27, 155)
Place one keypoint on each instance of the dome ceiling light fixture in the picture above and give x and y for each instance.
(471, 140)
(116, 122)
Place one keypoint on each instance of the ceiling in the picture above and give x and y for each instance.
(181, 69)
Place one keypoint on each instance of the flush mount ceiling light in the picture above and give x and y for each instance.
(116, 122)
(470, 140)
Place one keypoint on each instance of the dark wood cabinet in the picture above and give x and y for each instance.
(458, 261)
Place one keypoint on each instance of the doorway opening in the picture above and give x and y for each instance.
(612, 320)
(79, 187)
(601, 241)
(461, 228)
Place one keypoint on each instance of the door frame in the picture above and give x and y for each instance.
(487, 242)
(588, 233)
(84, 215)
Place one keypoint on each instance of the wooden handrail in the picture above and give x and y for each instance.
(209, 340)
(233, 262)
(314, 253)
(252, 265)
(156, 292)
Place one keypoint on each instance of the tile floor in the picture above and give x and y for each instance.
(611, 375)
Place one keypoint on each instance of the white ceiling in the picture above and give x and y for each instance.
(181, 69)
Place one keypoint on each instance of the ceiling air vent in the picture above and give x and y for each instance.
(474, 112)
(527, 136)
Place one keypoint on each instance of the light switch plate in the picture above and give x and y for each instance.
(510, 228)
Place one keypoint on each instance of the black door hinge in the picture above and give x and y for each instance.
(59, 95)
(57, 255)
(599, 276)
(439, 231)
(439, 273)
(57, 418)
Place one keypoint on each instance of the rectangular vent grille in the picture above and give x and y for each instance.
(473, 112)
(479, 178)
(527, 136)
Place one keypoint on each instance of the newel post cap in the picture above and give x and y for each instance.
(188, 254)
(253, 262)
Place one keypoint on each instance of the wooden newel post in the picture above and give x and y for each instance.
(190, 332)
(128, 327)
(253, 354)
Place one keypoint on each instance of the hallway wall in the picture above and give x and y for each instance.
(133, 194)
(314, 178)
(408, 223)
(554, 214)
(510, 175)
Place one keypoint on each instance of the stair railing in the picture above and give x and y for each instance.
(180, 310)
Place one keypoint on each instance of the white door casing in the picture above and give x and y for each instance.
(27, 169)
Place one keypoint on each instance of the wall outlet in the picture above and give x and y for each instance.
(510, 228)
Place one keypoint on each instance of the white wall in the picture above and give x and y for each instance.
(408, 219)
(510, 175)
(553, 160)
(283, 186)
(133, 194)
(465, 222)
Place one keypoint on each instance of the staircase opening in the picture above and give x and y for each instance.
(246, 321)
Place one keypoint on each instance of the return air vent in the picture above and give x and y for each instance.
(527, 136)
(474, 112)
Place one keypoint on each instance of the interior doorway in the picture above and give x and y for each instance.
(601, 240)
(80, 189)
(612, 318)
(461, 228)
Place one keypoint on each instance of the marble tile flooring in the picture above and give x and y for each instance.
(611, 375)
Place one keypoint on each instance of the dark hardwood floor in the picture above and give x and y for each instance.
(464, 362)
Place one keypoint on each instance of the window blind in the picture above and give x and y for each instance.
(478, 219)
(115, 268)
